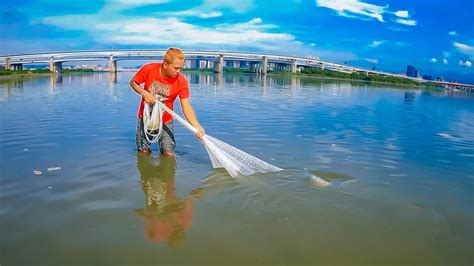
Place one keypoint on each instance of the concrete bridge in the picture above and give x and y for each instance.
(452, 85)
(256, 62)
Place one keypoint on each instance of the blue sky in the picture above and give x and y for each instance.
(437, 36)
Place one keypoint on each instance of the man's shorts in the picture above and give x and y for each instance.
(166, 141)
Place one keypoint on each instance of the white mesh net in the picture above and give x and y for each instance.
(234, 160)
(223, 155)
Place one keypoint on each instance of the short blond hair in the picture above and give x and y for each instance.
(172, 53)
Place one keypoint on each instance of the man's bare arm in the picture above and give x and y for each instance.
(188, 112)
(140, 90)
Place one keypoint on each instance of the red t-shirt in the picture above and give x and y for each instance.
(155, 83)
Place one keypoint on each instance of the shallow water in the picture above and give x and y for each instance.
(398, 167)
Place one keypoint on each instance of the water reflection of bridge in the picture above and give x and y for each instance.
(216, 81)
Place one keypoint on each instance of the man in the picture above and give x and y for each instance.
(164, 81)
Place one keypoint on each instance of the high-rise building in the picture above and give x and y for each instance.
(411, 71)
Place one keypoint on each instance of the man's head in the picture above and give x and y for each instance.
(173, 62)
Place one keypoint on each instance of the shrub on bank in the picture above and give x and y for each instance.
(358, 76)
(4, 72)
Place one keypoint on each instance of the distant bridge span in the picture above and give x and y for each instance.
(257, 62)
(55, 59)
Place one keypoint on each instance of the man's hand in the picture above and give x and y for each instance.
(149, 98)
(201, 132)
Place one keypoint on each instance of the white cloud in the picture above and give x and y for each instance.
(453, 33)
(351, 8)
(465, 49)
(212, 14)
(109, 27)
(433, 60)
(466, 64)
(117, 5)
(361, 10)
(371, 60)
(408, 22)
(191, 13)
(211, 9)
(445, 61)
(173, 31)
(376, 43)
(402, 14)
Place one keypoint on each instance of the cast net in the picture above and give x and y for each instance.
(223, 155)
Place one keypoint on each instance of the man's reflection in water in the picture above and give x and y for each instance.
(167, 216)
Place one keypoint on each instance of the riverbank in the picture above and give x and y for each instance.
(8, 72)
(372, 79)
(306, 73)
(327, 74)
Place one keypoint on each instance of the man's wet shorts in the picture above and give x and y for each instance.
(166, 141)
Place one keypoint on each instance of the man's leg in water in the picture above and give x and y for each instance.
(143, 145)
(167, 142)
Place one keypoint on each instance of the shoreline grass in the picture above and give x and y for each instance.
(306, 73)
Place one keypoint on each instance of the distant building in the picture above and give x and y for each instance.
(412, 72)
(427, 77)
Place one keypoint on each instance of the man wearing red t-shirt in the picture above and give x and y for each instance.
(164, 81)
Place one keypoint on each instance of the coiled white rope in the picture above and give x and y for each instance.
(152, 122)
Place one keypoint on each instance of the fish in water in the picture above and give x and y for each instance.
(445, 135)
(319, 182)
(326, 179)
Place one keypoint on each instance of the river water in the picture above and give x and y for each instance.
(374, 174)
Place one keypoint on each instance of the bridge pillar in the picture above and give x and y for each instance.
(294, 66)
(264, 65)
(219, 66)
(17, 66)
(322, 66)
(7, 63)
(52, 66)
(112, 64)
